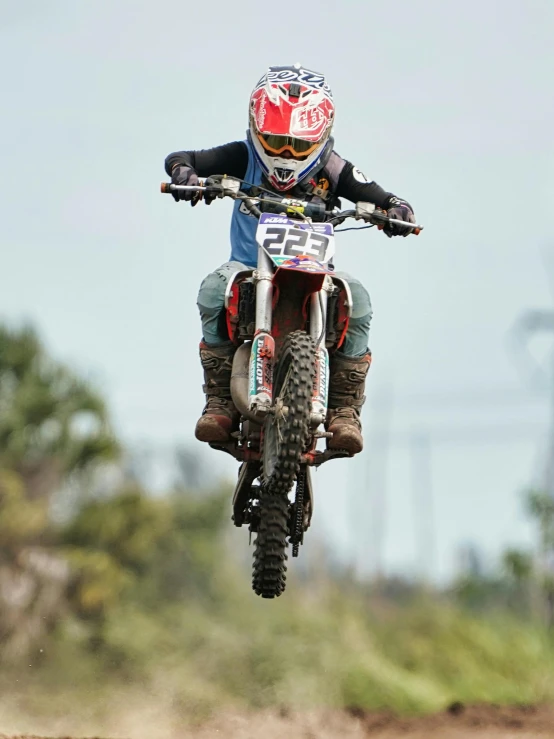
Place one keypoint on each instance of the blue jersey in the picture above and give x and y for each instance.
(237, 159)
(244, 248)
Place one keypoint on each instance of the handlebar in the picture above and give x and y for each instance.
(265, 202)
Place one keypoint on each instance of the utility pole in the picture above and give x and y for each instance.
(377, 483)
(423, 504)
(529, 324)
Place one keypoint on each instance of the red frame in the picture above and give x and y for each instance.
(284, 322)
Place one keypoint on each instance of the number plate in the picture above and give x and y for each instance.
(284, 238)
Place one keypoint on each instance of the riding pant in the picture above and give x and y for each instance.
(211, 303)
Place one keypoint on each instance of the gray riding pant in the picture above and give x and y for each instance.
(211, 303)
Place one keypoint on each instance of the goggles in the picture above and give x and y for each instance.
(276, 144)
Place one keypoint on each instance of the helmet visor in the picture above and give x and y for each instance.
(276, 144)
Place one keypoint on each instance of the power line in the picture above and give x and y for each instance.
(470, 435)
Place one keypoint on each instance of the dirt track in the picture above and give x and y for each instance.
(459, 722)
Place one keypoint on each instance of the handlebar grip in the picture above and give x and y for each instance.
(165, 187)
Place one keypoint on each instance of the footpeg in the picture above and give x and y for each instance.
(323, 435)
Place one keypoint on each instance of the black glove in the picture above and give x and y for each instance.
(400, 209)
(209, 197)
(182, 175)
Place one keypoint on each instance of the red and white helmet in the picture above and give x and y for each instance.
(291, 118)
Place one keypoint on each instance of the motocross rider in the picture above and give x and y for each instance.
(288, 149)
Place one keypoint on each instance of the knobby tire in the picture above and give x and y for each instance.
(284, 439)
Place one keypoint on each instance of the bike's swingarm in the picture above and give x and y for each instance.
(246, 494)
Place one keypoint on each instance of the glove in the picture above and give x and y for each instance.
(209, 197)
(182, 175)
(398, 208)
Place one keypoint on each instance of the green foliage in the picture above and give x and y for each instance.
(22, 521)
(168, 615)
(134, 548)
(540, 506)
(312, 649)
(52, 423)
(495, 659)
(525, 582)
(518, 565)
(128, 527)
(137, 598)
(53, 428)
(97, 584)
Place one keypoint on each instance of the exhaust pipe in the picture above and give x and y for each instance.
(239, 383)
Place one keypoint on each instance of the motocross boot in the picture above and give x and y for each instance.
(346, 397)
(220, 417)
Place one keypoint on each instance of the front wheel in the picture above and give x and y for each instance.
(286, 431)
(285, 435)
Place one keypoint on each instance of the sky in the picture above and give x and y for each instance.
(449, 106)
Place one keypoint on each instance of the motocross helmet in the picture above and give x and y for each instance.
(291, 118)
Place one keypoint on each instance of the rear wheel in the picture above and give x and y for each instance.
(270, 558)
(285, 435)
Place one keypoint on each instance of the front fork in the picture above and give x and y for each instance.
(260, 382)
(263, 346)
(318, 324)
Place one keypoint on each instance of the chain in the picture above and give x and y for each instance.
(298, 521)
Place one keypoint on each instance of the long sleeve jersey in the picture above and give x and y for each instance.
(237, 159)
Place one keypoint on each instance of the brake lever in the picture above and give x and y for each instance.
(379, 218)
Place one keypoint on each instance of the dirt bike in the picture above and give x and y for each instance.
(284, 316)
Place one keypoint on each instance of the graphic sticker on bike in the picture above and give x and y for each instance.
(276, 236)
(293, 239)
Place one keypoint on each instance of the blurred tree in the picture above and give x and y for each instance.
(517, 565)
(54, 429)
(33, 577)
(53, 426)
(52, 423)
(540, 506)
(155, 550)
